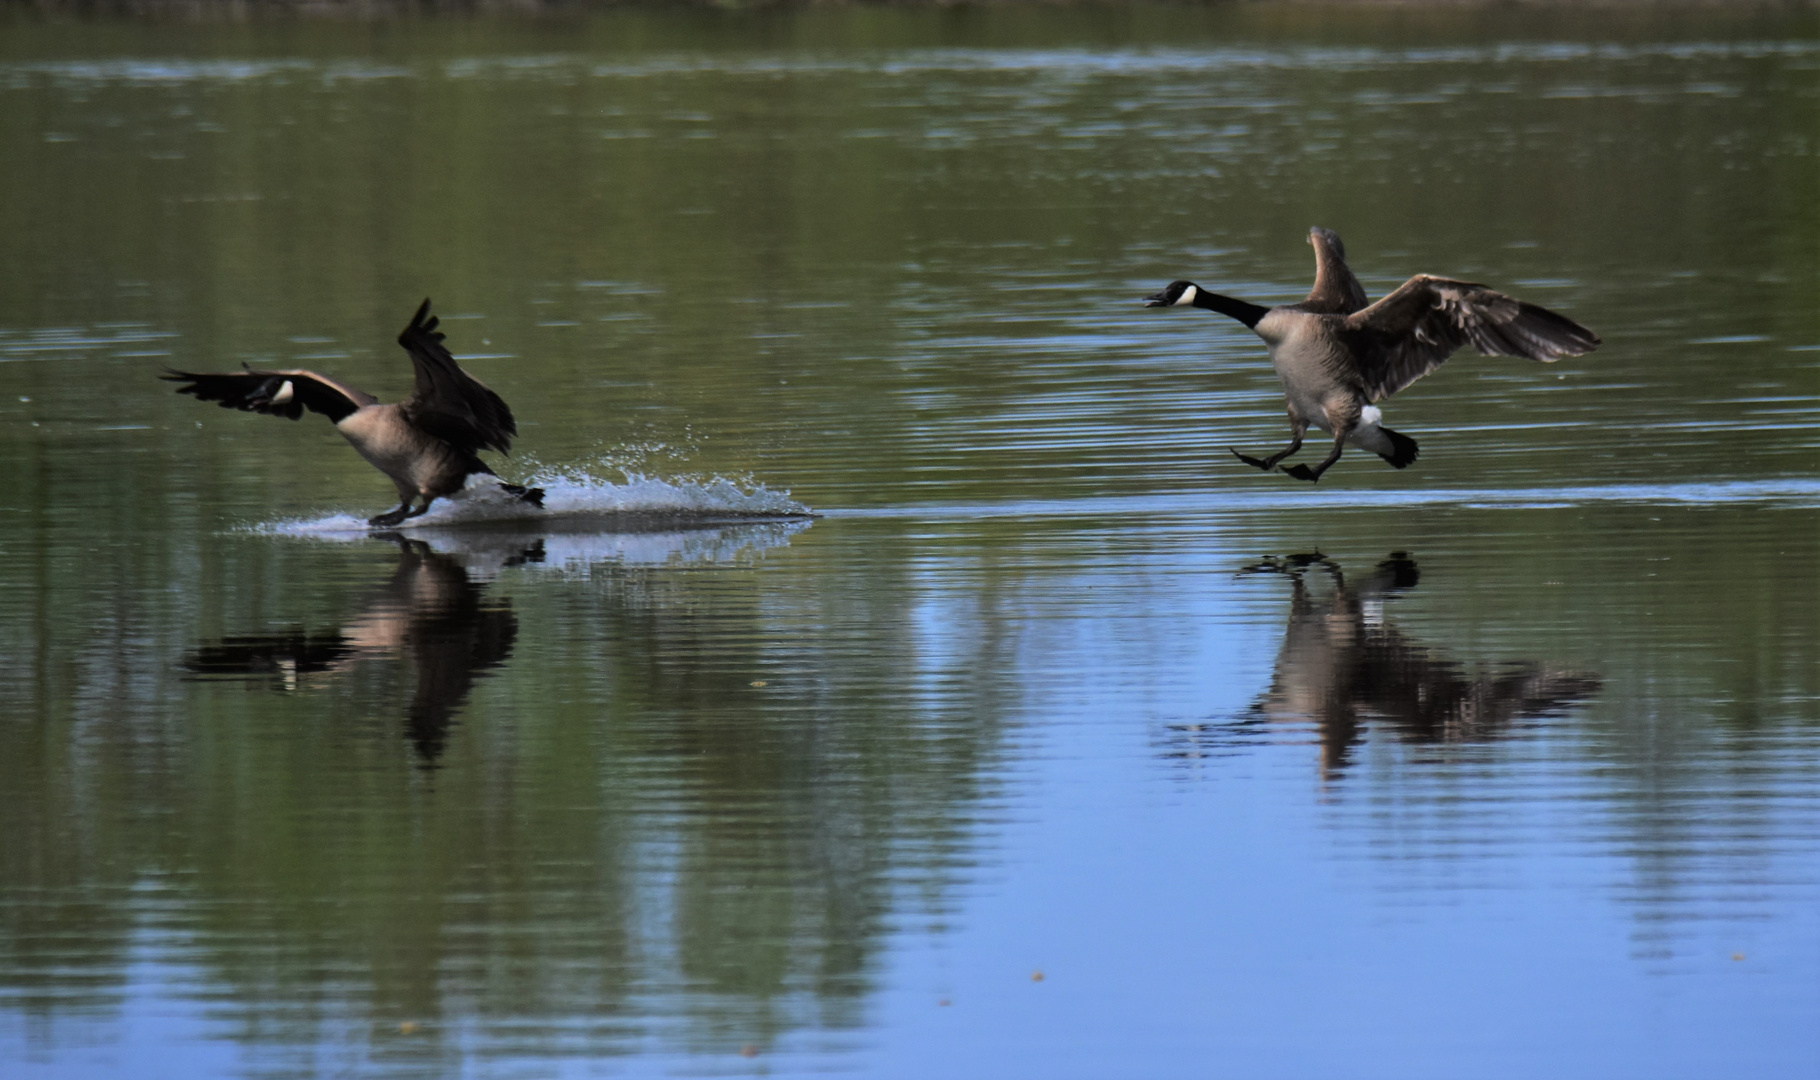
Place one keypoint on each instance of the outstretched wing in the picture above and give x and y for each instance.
(1414, 330)
(448, 402)
(274, 393)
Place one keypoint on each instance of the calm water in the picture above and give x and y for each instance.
(1052, 748)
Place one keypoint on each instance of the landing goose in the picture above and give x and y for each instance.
(427, 443)
(1338, 357)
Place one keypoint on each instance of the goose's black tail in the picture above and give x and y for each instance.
(534, 496)
(1402, 448)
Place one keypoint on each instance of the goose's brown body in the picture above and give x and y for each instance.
(418, 463)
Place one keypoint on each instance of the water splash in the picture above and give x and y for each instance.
(580, 494)
(577, 552)
(574, 500)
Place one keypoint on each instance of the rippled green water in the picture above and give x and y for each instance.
(1051, 748)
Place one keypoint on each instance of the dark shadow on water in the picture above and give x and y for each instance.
(1346, 667)
(432, 611)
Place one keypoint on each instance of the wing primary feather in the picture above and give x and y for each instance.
(447, 402)
(262, 392)
(1409, 333)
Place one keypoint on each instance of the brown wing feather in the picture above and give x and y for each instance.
(1414, 330)
(264, 392)
(448, 402)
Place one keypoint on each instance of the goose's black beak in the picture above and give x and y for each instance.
(1159, 300)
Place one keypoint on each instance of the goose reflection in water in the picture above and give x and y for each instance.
(431, 611)
(1345, 665)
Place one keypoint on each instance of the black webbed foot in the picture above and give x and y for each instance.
(387, 520)
(532, 495)
(1302, 472)
(1251, 461)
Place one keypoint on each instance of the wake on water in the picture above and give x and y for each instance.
(574, 501)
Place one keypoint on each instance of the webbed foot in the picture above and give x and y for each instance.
(534, 496)
(1303, 472)
(393, 517)
(1251, 461)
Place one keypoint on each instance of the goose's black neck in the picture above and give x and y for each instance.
(1249, 314)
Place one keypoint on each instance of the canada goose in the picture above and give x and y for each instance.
(426, 444)
(1338, 357)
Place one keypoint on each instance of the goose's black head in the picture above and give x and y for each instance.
(1318, 236)
(1178, 292)
(276, 390)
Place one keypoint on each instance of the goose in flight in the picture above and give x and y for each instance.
(428, 444)
(1338, 357)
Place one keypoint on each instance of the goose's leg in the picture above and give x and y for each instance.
(1270, 462)
(1297, 429)
(394, 517)
(424, 509)
(407, 494)
(1303, 472)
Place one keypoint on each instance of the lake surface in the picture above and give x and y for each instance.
(1060, 744)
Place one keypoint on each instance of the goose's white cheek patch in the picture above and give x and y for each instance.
(1187, 296)
(284, 393)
